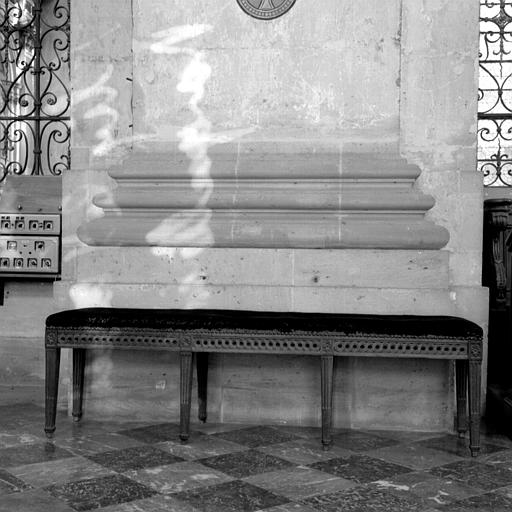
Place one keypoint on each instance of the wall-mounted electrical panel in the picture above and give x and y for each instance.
(30, 227)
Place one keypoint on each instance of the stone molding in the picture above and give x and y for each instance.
(265, 199)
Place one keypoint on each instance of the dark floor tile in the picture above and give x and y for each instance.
(153, 433)
(245, 463)
(10, 483)
(365, 499)
(453, 444)
(256, 436)
(100, 492)
(361, 441)
(360, 468)
(31, 454)
(474, 474)
(232, 496)
(489, 502)
(139, 457)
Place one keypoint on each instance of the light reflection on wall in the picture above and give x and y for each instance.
(194, 140)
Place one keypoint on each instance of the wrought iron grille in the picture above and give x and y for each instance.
(34, 82)
(495, 93)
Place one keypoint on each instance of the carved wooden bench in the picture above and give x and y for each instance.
(200, 332)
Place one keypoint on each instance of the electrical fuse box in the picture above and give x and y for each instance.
(30, 227)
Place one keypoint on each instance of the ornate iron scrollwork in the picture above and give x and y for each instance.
(266, 9)
(34, 100)
(495, 93)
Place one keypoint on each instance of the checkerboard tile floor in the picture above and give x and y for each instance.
(126, 467)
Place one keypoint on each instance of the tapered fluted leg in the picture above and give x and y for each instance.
(461, 385)
(185, 394)
(474, 406)
(78, 382)
(327, 384)
(51, 388)
(202, 383)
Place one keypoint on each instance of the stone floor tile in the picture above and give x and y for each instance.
(64, 427)
(457, 446)
(488, 502)
(245, 463)
(360, 468)
(113, 425)
(430, 489)
(304, 432)
(501, 459)
(160, 503)
(365, 499)
(17, 415)
(98, 442)
(235, 496)
(506, 491)
(32, 501)
(300, 482)
(474, 474)
(138, 457)
(403, 436)
(31, 454)
(256, 436)
(16, 438)
(59, 471)
(178, 477)
(291, 507)
(414, 455)
(215, 428)
(100, 492)
(357, 441)
(304, 451)
(154, 433)
(200, 447)
(10, 483)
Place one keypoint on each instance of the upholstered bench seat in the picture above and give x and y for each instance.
(323, 335)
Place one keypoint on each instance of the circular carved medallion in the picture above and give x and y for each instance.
(266, 9)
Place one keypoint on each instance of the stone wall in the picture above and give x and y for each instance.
(199, 83)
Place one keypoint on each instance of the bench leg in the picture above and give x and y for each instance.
(461, 386)
(474, 406)
(51, 389)
(185, 394)
(202, 383)
(78, 382)
(327, 384)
